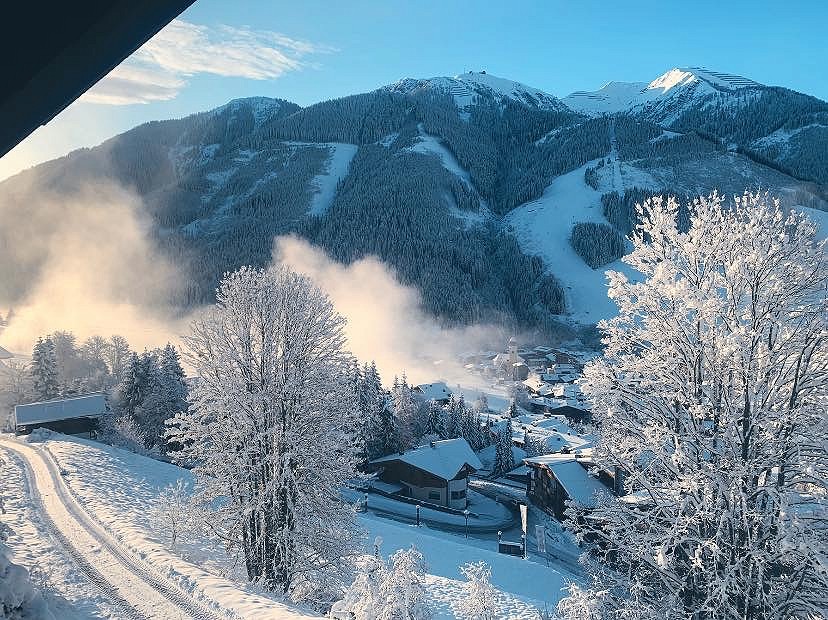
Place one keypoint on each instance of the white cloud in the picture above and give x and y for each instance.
(159, 70)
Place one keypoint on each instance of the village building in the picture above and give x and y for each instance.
(556, 478)
(436, 473)
(72, 416)
(438, 392)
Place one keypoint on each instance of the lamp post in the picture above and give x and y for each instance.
(466, 514)
(418, 515)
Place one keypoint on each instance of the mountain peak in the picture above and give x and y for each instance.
(686, 83)
(683, 76)
(466, 87)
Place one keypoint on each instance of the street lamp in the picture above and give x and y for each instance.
(466, 514)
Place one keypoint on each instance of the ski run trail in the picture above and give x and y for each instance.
(127, 581)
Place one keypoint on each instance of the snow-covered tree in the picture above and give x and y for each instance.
(403, 594)
(117, 356)
(435, 421)
(268, 428)
(531, 445)
(406, 411)
(165, 394)
(481, 600)
(381, 433)
(711, 402)
(44, 369)
(504, 457)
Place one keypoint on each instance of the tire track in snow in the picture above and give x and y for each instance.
(129, 582)
(89, 571)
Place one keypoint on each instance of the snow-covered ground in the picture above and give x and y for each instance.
(543, 227)
(70, 595)
(118, 489)
(107, 517)
(527, 585)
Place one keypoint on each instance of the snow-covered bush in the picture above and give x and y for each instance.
(392, 591)
(711, 403)
(481, 601)
(174, 511)
(403, 593)
(19, 599)
(580, 604)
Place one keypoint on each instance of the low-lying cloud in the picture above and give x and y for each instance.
(386, 322)
(100, 274)
(160, 68)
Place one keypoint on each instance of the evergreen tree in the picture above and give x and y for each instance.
(504, 458)
(436, 423)
(44, 369)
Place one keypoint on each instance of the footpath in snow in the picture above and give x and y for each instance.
(100, 502)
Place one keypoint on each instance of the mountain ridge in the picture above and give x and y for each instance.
(423, 176)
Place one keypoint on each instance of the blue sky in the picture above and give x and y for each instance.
(312, 50)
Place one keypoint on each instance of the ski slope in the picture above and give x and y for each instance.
(543, 227)
(336, 169)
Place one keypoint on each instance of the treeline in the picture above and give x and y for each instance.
(143, 390)
(597, 243)
(760, 115)
(637, 139)
(391, 421)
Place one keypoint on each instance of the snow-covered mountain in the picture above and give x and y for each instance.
(469, 88)
(665, 97)
(470, 187)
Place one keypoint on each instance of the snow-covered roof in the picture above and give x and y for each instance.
(572, 476)
(434, 391)
(440, 458)
(89, 405)
(5, 355)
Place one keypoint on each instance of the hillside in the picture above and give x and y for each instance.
(437, 177)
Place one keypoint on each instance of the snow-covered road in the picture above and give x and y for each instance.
(126, 580)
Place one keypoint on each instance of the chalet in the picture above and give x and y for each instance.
(73, 416)
(556, 478)
(5, 355)
(437, 392)
(437, 473)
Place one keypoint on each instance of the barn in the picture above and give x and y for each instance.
(437, 473)
(73, 416)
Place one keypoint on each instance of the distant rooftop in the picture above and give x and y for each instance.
(443, 459)
(87, 405)
(572, 476)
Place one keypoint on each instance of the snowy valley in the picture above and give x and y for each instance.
(599, 390)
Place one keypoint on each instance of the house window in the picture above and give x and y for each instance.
(434, 495)
(458, 494)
